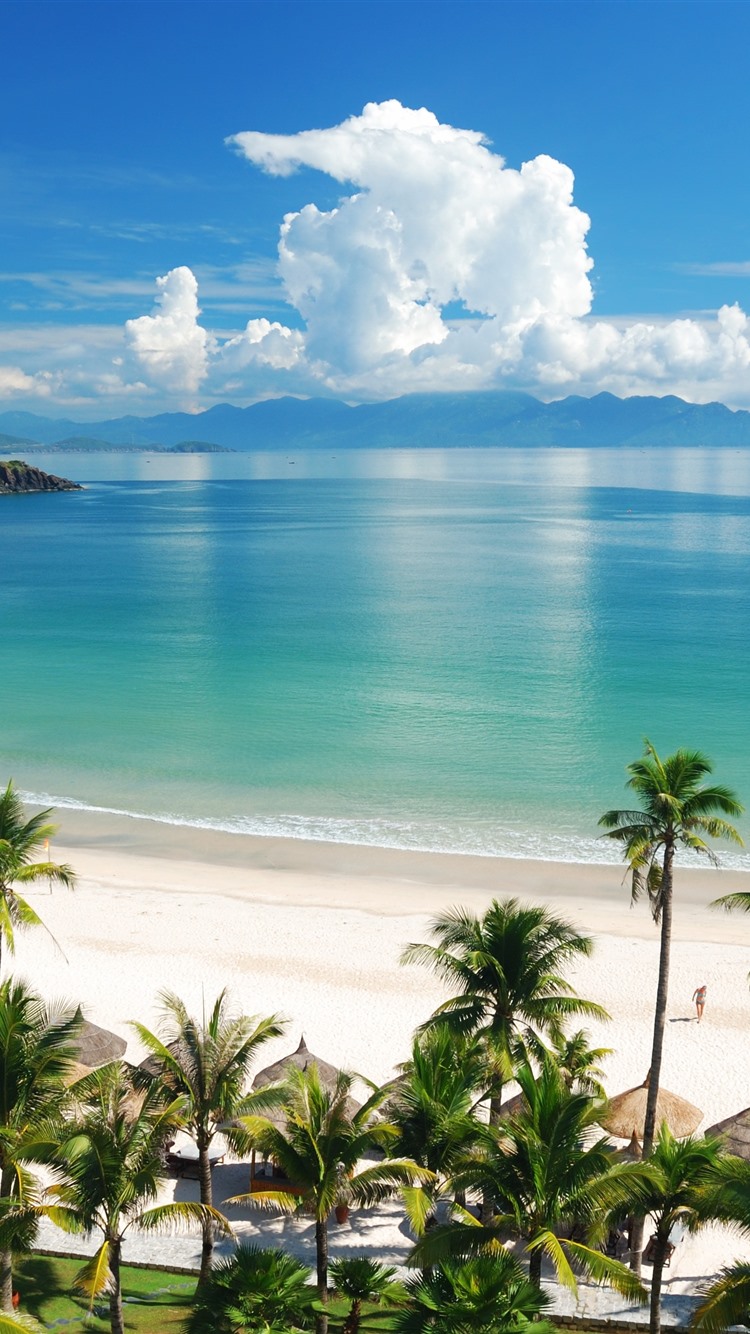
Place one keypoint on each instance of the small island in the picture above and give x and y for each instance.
(19, 478)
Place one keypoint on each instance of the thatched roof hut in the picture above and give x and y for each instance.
(735, 1132)
(301, 1059)
(96, 1046)
(625, 1114)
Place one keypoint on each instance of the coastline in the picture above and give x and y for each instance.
(118, 850)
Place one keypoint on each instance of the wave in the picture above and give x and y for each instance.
(463, 838)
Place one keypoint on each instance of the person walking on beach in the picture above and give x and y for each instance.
(699, 996)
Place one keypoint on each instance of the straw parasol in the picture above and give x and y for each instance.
(301, 1059)
(97, 1046)
(735, 1132)
(624, 1115)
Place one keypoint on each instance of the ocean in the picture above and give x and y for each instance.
(450, 650)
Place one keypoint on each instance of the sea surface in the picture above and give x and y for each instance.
(437, 649)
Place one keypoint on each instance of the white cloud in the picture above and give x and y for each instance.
(15, 382)
(440, 267)
(170, 346)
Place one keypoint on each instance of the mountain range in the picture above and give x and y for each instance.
(487, 418)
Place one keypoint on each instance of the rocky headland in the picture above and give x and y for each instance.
(18, 478)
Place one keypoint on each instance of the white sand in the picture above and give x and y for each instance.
(314, 933)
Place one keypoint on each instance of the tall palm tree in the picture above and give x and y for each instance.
(547, 1176)
(507, 969)
(677, 809)
(360, 1279)
(111, 1164)
(253, 1291)
(21, 840)
(681, 1187)
(489, 1294)
(37, 1051)
(206, 1062)
(320, 1147)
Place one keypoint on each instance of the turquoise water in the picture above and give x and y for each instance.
(439, 649)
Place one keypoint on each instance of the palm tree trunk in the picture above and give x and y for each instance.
(488, 1203)
(660, 1016)
(352, 1322)
(535, 1268)
(206, 1193)
(321, 1252)
(6, 1256)
(116, 1319)
(662, 996)
(660, 1255)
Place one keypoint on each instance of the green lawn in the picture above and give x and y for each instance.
(46, 1287)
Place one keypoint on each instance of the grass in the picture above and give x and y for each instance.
(46, 1285)
(162, 1300)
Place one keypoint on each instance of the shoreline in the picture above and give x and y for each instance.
(119, 851)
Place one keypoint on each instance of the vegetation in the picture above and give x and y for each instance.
(551, 1182)
(488, 1294)
(254, 1290)
(362, 1280)
(677, 809)
(506, 969)
(111, 1163)
(206, 1063)
(320, 1147)
(21, 840)
(37, 1053)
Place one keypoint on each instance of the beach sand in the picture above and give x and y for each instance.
(313, 932)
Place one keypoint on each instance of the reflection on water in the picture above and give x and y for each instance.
(707, 471)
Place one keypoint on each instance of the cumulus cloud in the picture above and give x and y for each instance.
(438, 224)
(440, 267)
(15, 382)
(170, 346)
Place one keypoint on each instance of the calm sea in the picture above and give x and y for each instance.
(436, 649)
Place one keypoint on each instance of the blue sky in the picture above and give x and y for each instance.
(448, 270)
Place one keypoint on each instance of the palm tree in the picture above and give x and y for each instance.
(489, 1294)
(507, 970)
(37, 1051)
(254, 1291)
(548, 1176)
(20, 842)
(111, 1164)
(579, 1063)
(432, 1103)
(680, 1188)
(206, 1062)
(677, 810)
(727, 1300)
(320, 1147)
(360, 1279)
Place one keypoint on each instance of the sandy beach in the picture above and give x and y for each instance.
(313, 932)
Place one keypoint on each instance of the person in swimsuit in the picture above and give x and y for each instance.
(699, 996)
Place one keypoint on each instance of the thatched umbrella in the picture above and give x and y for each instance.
(96, 1046)
(300, 1059)
(735, 1132)
(625, 1114)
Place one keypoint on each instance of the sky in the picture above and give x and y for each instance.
(231, 201)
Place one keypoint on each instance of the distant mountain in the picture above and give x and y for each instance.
(416, 421)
